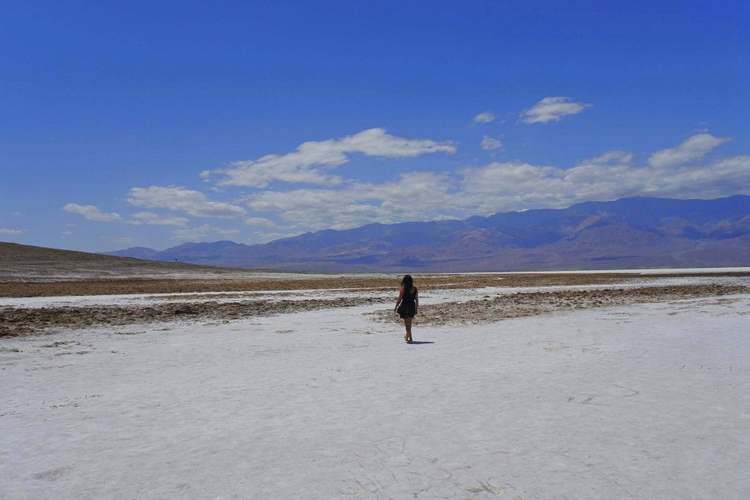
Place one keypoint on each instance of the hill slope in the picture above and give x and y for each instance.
(30, 262)
(627, 233)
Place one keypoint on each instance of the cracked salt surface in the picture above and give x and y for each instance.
(432, 295)
(642, 401)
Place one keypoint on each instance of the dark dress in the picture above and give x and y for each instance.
(408, 307)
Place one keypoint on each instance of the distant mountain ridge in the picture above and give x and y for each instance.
(626, 233)
(137, 253)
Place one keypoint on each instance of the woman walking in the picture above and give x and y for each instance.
(407, 304)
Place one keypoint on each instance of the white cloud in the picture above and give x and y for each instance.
(516, 185)
(491, 143)
(266, 236)
(414, 196)
(512, 186)
(184, 200)
(203, 232)
(552, 109)
(485, 117)
(153, 219)
(610, 157)
(497, 186)
(308, 164)
(259, 221)
(472, 190)
(10, 231)
(91, 212)
(694, 147)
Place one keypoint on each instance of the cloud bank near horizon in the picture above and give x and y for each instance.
(501, 186)
(282, 195)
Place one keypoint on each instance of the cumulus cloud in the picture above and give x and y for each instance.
(513, 186)
(414, 196)
(693, 148)
(6, 231)
(266, 236)
(91, 212)
(310, 162)
(431, 195)
(552, 109)
(491, 143)
(153, 219)
(259, 221)
(485, 117)
(180, 199)
(497, 186)
(610, 157)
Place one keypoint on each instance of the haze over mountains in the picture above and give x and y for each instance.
(627, 233)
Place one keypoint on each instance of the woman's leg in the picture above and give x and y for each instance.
(407, 322)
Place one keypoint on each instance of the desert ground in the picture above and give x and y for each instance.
(214, 384)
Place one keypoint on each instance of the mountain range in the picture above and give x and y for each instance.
(626, 233)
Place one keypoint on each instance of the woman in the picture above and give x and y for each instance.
(407, 303)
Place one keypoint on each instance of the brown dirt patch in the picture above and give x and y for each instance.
(523, 304)
(425, 282)
(27, 321)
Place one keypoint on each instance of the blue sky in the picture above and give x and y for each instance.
(150, 123)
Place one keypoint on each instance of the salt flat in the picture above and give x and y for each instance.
(638, 401)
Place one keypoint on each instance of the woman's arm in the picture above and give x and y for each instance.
(398, 300)
(416, 301)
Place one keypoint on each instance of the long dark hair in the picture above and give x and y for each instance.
(407, 283)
